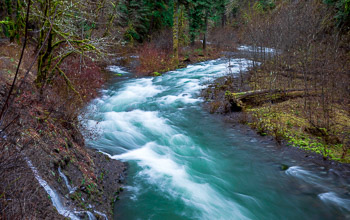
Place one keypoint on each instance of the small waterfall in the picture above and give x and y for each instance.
(101, 214)
(70, 189)
(53, 195)
(64, 211)
(89, 214)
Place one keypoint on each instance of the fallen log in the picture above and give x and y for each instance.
(241, 100)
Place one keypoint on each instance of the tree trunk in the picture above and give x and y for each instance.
(181, 26)
(205, 31)
(223, 16)
(176, 32)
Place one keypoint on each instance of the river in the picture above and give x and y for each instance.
(186, 164)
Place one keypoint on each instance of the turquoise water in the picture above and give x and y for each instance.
(186, 164)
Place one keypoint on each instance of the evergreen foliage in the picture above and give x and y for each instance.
(141, 18)
(12, 19)
(342, 14)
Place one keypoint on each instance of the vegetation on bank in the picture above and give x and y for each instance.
(48, 73)
(45, 131)
(300, 93)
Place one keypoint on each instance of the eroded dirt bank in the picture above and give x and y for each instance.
(46, 170)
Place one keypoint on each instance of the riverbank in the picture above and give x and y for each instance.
(276, 108)
(46, 169)
(151, 59)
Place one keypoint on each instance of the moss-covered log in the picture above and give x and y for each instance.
(241, 100)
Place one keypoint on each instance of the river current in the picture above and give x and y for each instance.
(186, 164)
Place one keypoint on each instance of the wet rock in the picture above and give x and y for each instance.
(121, 178)
(52, 165)
(83, 188)
(284, 167)
(66, 159)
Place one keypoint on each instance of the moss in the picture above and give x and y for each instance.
(75, 196)
(156, 74)
(281, 122)
(214, 106)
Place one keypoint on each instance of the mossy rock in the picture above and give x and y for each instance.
(156, 74)
(284, 167)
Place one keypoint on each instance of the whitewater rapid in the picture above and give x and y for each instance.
(183, 164)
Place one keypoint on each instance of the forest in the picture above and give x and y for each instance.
(92, 89)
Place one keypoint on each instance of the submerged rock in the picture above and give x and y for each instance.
(284, 167)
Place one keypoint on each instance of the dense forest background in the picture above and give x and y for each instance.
(303, 89)
(81, 27)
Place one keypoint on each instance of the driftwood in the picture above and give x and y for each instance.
(241, 100)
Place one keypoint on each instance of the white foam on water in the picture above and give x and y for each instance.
(256, 49)
(180, 139)
(333, 198)
(195, 68)
(190, 85)
(307, 177)
(134, 128)
(133, 190)
(120, 58)
(174, 180)
(133, 93)
(204, 72)
(116, 69)
(190, 80)
(250, 199)
(137, 121)
(182, 98)
(301, 173)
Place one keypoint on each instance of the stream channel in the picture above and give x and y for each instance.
(186, 164)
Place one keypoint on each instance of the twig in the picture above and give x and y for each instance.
(6, 105)
(9, 124)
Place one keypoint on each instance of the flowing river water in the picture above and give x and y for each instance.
(186, 164)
